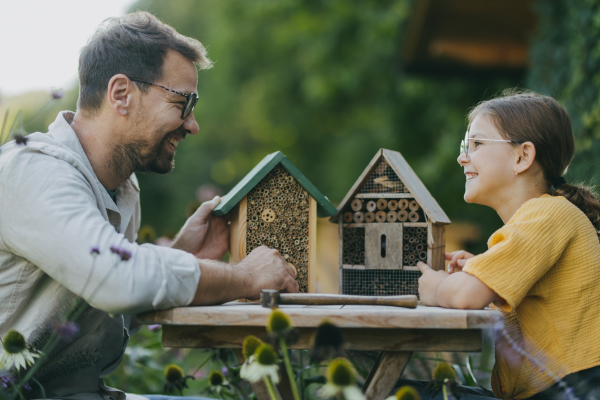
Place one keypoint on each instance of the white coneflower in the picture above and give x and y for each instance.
(406, 393)
(217, 381)
(341, 379)
(16, 352)
(263, 364)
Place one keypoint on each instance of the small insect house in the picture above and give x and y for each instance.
(275, 205)
(387, 223)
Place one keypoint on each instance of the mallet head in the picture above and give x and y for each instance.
(269, 298)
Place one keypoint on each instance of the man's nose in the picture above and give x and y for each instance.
(190, 125)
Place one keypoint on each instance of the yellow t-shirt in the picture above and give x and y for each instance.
(545, 265)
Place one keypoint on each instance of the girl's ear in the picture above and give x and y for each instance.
(526, 156)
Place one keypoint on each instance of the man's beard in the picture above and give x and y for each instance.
(142, 156)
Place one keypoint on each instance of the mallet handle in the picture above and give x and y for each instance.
(408, 301)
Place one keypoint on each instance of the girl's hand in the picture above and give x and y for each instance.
(457, 260)
(428, 284)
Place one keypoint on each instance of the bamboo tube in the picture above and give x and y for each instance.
(382, 204)
(380, 216)
(371, 205)
(402, 216)
(359, 217)
(413, 205)
(348, 217)
(413, 216)
(356, 204)
(393, 205)
(369, 217)
(392, 216)
(403, 204)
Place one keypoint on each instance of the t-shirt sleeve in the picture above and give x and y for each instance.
(523, 251)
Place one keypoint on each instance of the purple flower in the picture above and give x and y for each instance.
(20, 139)
(95, 250)
(66, 330)
(225, 371)
(121, 252)
(154, 328)
(57, 94)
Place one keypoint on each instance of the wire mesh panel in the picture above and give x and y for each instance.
(278, 218)
(383, 180)
(380, 282)
(354, 246)
(415, 245)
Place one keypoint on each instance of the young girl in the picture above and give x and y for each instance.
(542, 268)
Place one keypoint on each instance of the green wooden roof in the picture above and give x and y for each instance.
(324, 206)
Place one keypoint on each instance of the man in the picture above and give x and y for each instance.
(69, 211)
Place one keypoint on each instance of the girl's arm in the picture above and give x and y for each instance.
(459, 290)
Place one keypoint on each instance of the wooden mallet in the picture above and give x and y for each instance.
(272, 298)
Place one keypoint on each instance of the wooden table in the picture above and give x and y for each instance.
(395, 332)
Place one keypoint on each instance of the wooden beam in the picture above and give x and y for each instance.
(206, 337)
(388, 371)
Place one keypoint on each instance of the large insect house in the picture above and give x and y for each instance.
(388, 222)
(275, 205)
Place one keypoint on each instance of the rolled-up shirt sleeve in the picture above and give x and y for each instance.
(50, 216)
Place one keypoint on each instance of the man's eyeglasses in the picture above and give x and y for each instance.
(191, 98)
(464, 145)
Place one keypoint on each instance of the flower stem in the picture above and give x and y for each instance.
(288, 368)
(444, 390)
(270, 388)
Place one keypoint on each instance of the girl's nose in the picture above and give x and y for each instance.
(462, 159)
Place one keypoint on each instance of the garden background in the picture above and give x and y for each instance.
(325, 82)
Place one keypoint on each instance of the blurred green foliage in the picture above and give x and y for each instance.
(322, 82)
(565, 64)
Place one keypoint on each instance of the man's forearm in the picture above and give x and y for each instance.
(219, 283)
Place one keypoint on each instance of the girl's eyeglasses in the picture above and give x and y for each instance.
(464, 144)
(190, 98)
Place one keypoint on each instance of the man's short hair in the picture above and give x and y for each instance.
(134, 45)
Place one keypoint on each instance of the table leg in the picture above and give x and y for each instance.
(385, 373)
(259, 388)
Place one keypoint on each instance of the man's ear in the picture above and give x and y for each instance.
(526, 157)
(120, 94)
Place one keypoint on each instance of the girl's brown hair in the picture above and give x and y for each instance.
(531, 117)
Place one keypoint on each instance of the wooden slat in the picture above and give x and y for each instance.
(312, 244)
(389, 370)
(359, 182)
(438, 261)
(241, 314)
(383, 196)
(237, 249)
(340, 256)
(356, 339)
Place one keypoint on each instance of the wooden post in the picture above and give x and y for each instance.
(237, 241)
(386, 373)
(312, 244)
(438, 249)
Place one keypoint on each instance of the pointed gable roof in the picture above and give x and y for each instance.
(324, 206)
(408, 177)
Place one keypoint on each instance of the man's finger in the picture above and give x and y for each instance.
(423, 267)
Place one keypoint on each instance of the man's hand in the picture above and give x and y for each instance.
(428, 284)
(203, 234)
(266, 269)
(457, 260)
